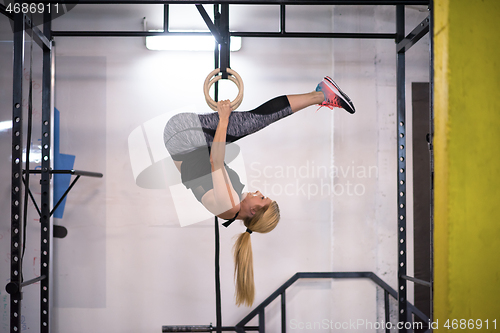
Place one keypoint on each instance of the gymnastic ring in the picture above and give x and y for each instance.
(233, 76)
(212, 103)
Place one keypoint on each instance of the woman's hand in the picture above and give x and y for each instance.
(218, 150)
(224, 109)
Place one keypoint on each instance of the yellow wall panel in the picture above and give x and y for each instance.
(467, 160)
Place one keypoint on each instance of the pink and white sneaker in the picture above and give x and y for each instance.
(334, 97)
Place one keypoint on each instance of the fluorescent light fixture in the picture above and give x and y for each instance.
(5, 125)
(187, 43)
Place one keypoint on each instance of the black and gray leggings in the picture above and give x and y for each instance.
(185, 132)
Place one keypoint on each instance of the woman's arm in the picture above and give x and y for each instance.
(223, 200)
(219, 143)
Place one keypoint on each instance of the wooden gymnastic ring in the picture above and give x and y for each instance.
(209, 81)
(212, 103)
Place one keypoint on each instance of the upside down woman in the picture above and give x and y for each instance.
(197, 143)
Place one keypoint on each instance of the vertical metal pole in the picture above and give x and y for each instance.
(282, 19)
(283, 312)
(216, 52)
(218, 306)
(431, 149)
(45, 219)
(218, 310)
(16, 193)
(386, 311)
(262, 321)
(165, 17)
(401, 132)
(226, 40)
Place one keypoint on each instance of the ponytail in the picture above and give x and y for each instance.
(263, 221)
(243, 270)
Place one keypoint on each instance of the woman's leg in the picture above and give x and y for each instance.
(186, 132)
(299, 102)
(243, 123)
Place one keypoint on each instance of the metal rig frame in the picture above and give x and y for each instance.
(220, 30)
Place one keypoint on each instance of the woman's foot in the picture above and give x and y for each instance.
(334, 97)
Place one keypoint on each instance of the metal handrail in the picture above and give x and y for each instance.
(259, 310)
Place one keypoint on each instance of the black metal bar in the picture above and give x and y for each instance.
(32, 198)
(216, 53)
(401, 186)
(249, 2)
(333, 275)
(64, 195)
(414, 36)
(205, 328)
(387, 311)
(226, 40)
(283, 312)
(282, 19)
(262, 321)
(211, 26)
(72, 172)
(79, 173)
(126, 33)
(165, 18)
(46, 233)
(419, 281)
(339, 35)
(218, 307)
(35, 280)
(43, 39)
(33, 31)
(234, 328)
(16, 193)
(187, 328)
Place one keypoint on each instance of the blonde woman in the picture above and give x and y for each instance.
(197, 144)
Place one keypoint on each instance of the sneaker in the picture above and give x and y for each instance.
(334, 97)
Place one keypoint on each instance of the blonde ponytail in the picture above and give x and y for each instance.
(263, 221)
(243, 270)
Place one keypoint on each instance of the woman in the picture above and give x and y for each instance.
(197, 145)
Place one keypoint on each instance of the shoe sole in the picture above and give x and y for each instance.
(342, 95)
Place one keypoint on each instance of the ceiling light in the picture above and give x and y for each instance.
(187, 43)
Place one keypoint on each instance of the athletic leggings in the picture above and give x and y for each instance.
(186, 132)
